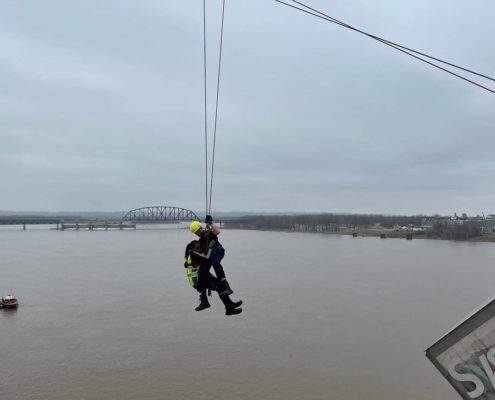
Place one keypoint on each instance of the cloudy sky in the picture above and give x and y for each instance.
(101, 107)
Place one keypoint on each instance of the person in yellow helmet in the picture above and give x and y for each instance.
(195, 226)
(201, 279)
(208, 237)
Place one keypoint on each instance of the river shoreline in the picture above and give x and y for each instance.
(380, 233)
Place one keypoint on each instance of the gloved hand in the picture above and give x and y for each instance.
(208, 219)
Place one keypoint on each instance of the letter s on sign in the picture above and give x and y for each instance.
(478, 389)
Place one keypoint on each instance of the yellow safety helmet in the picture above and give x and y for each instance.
(195, 226)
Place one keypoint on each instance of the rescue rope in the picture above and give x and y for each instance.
(216, 107)
(206, 107)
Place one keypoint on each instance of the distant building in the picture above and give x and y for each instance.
(486, 224)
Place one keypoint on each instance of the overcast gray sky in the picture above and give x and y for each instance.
(101, 107)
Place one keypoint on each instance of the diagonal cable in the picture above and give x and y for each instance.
(396, 46)
(390, 42)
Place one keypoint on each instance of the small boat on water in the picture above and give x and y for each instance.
(9, 301)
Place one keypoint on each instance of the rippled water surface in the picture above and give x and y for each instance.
(109, 315)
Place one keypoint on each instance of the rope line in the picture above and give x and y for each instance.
(316, 13)
(206, 107)
(216, 107)
(389, 41)
(396, 46)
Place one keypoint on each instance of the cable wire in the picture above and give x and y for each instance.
(389, 41)
(396, 46)
(206, 107)
(216, 107)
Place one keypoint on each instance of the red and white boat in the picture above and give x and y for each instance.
(9, 301)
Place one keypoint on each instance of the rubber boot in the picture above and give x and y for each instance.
(234, 304)
(230, 306)
(224, 289)
(203, 302)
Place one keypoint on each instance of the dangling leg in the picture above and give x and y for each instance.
(216, 256)
(216, 285)
(226, 290)
(230, 306)
(203, 302)
(202, 286)
(223, 285)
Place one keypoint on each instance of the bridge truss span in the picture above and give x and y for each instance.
(158, 214)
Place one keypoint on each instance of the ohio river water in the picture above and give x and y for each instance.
(109, 315)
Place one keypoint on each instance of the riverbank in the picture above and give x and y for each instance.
(476, 229)
(376, 232)
(403, 234)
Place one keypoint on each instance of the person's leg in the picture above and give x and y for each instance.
(203, 302)
(217, 255)
(204, 277)
(214, 283)
(202, 286)
(230, 306)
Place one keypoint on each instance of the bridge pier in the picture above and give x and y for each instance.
(94, 225)
(24, 226)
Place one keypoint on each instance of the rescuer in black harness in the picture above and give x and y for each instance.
(198, 265)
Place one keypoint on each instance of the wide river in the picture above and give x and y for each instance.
(110, 316)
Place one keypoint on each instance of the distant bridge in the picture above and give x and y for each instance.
(64, 222)
(29, 220)
(143, 215)
(158, 214)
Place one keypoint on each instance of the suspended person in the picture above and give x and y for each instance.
(208, 237)
(197, 266)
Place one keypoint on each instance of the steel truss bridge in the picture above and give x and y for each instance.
(160, 214)
(143, 215)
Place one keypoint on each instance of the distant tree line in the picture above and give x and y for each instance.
(322, 222)
(442, 229)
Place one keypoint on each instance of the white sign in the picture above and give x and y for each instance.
(466, 355)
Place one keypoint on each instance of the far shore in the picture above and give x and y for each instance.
(385, 233)
(402, 234)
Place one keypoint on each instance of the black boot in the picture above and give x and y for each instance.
(233, 311)
(230, 306)
(224, 289)
(235, 304)
(203, 302)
